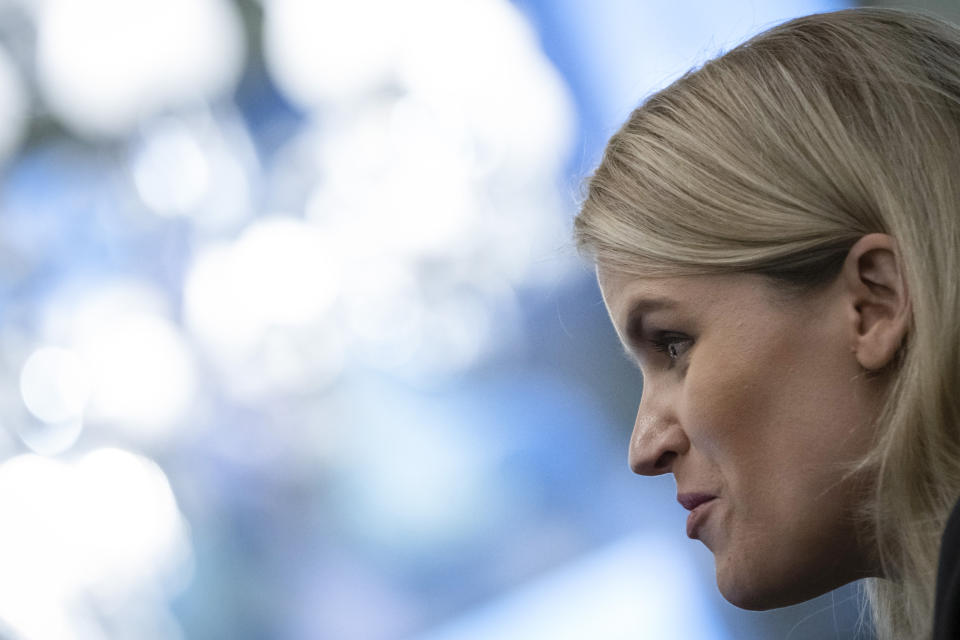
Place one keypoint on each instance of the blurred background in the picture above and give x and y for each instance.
(293, 340)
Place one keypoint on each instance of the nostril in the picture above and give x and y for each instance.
(664, 461)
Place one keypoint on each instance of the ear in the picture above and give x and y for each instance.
(874, 279)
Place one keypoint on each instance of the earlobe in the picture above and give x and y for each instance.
(874, 277)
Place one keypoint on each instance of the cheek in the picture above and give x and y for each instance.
(730, 401)
(778, 423)
(765, 415)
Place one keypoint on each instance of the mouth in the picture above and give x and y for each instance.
(691, 501)
(699, 506)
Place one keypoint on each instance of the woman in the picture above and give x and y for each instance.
(777, 240)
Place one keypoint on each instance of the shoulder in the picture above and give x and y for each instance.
(947, 606)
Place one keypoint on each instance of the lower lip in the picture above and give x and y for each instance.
(696, 518)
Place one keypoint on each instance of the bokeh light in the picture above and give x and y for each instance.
(197, 165)
(101, 528)
(55, 384)
(104, 65)
(170, 169)
(294, 342)
(143, 372)
(280, 272)
(324, 51)
(139, 373)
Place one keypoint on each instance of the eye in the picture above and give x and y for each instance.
(672, 344)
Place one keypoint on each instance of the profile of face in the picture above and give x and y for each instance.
(758, 403)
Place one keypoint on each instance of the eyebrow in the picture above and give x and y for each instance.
(634, 322)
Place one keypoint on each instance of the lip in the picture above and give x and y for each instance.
(691, 501)
(699, 506)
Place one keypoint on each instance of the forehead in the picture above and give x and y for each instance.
(619, 289)
(622, 293)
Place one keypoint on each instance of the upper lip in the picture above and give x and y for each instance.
(691, 501)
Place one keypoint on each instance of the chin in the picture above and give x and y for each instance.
(750, 599)
(755, 599)
(763, 592)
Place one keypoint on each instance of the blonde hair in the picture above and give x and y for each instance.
(774, 159)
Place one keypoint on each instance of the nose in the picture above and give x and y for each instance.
(657, 439)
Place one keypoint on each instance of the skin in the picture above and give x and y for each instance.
(764, 401)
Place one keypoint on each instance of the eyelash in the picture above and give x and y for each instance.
(663, 341)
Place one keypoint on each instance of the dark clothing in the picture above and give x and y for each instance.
(946, 613)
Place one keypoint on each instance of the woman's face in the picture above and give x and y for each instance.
(758, 401)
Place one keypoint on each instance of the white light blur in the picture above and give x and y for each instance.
(170, 170)
(14, 106)
(50, 439)
(197, 164)
(427, 164)
(40, 502)
(290, 360)
(132, 529)
(643, 586)
(508, 97)
(103, 65)
(9, 444)
(400, 185)
(143, 371)
(289, 271)
(55, 384)
(280, 272)
(215, 302)
(398, 328)
(324, 51)
(85, 532)
(384, 312)
(457, 330)
(81, 308)
(528, 239)
(261, 306)
(511, 98)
